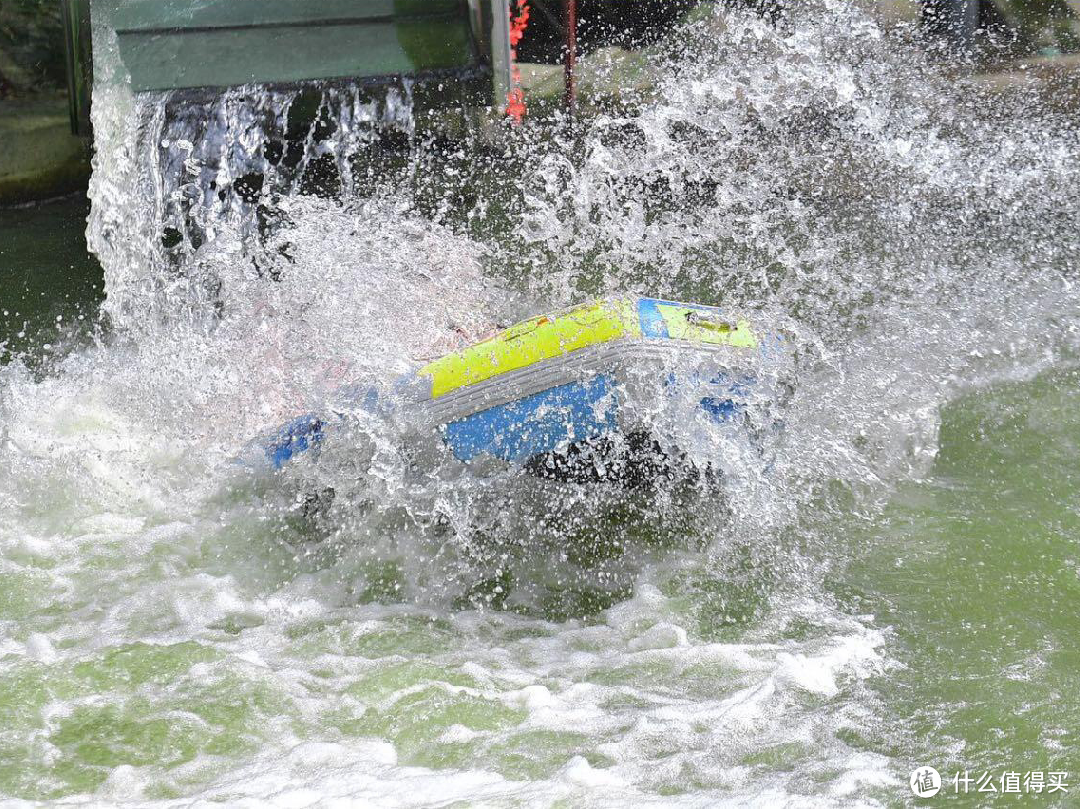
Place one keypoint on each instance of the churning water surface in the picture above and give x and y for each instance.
(896, 585)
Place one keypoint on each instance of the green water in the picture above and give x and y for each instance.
(51, 286)
(977, 570)
(151, 649)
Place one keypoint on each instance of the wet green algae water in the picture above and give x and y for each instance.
(977, 571)
(971, 576)
(51, 286)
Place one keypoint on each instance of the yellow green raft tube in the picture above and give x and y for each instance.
(610, 367)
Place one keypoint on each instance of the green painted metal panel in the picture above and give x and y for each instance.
(224, 58)
(431, 47)
(172, 44)
(135, 15)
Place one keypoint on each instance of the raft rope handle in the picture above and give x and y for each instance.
(709, 321)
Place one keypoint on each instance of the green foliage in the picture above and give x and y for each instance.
(31, 47)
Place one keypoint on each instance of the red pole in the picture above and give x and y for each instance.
(571, 55)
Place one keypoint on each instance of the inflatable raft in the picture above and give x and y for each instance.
(622, 373)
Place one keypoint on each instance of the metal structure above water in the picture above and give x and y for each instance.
(193, 44)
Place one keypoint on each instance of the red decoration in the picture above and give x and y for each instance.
(515, 99)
